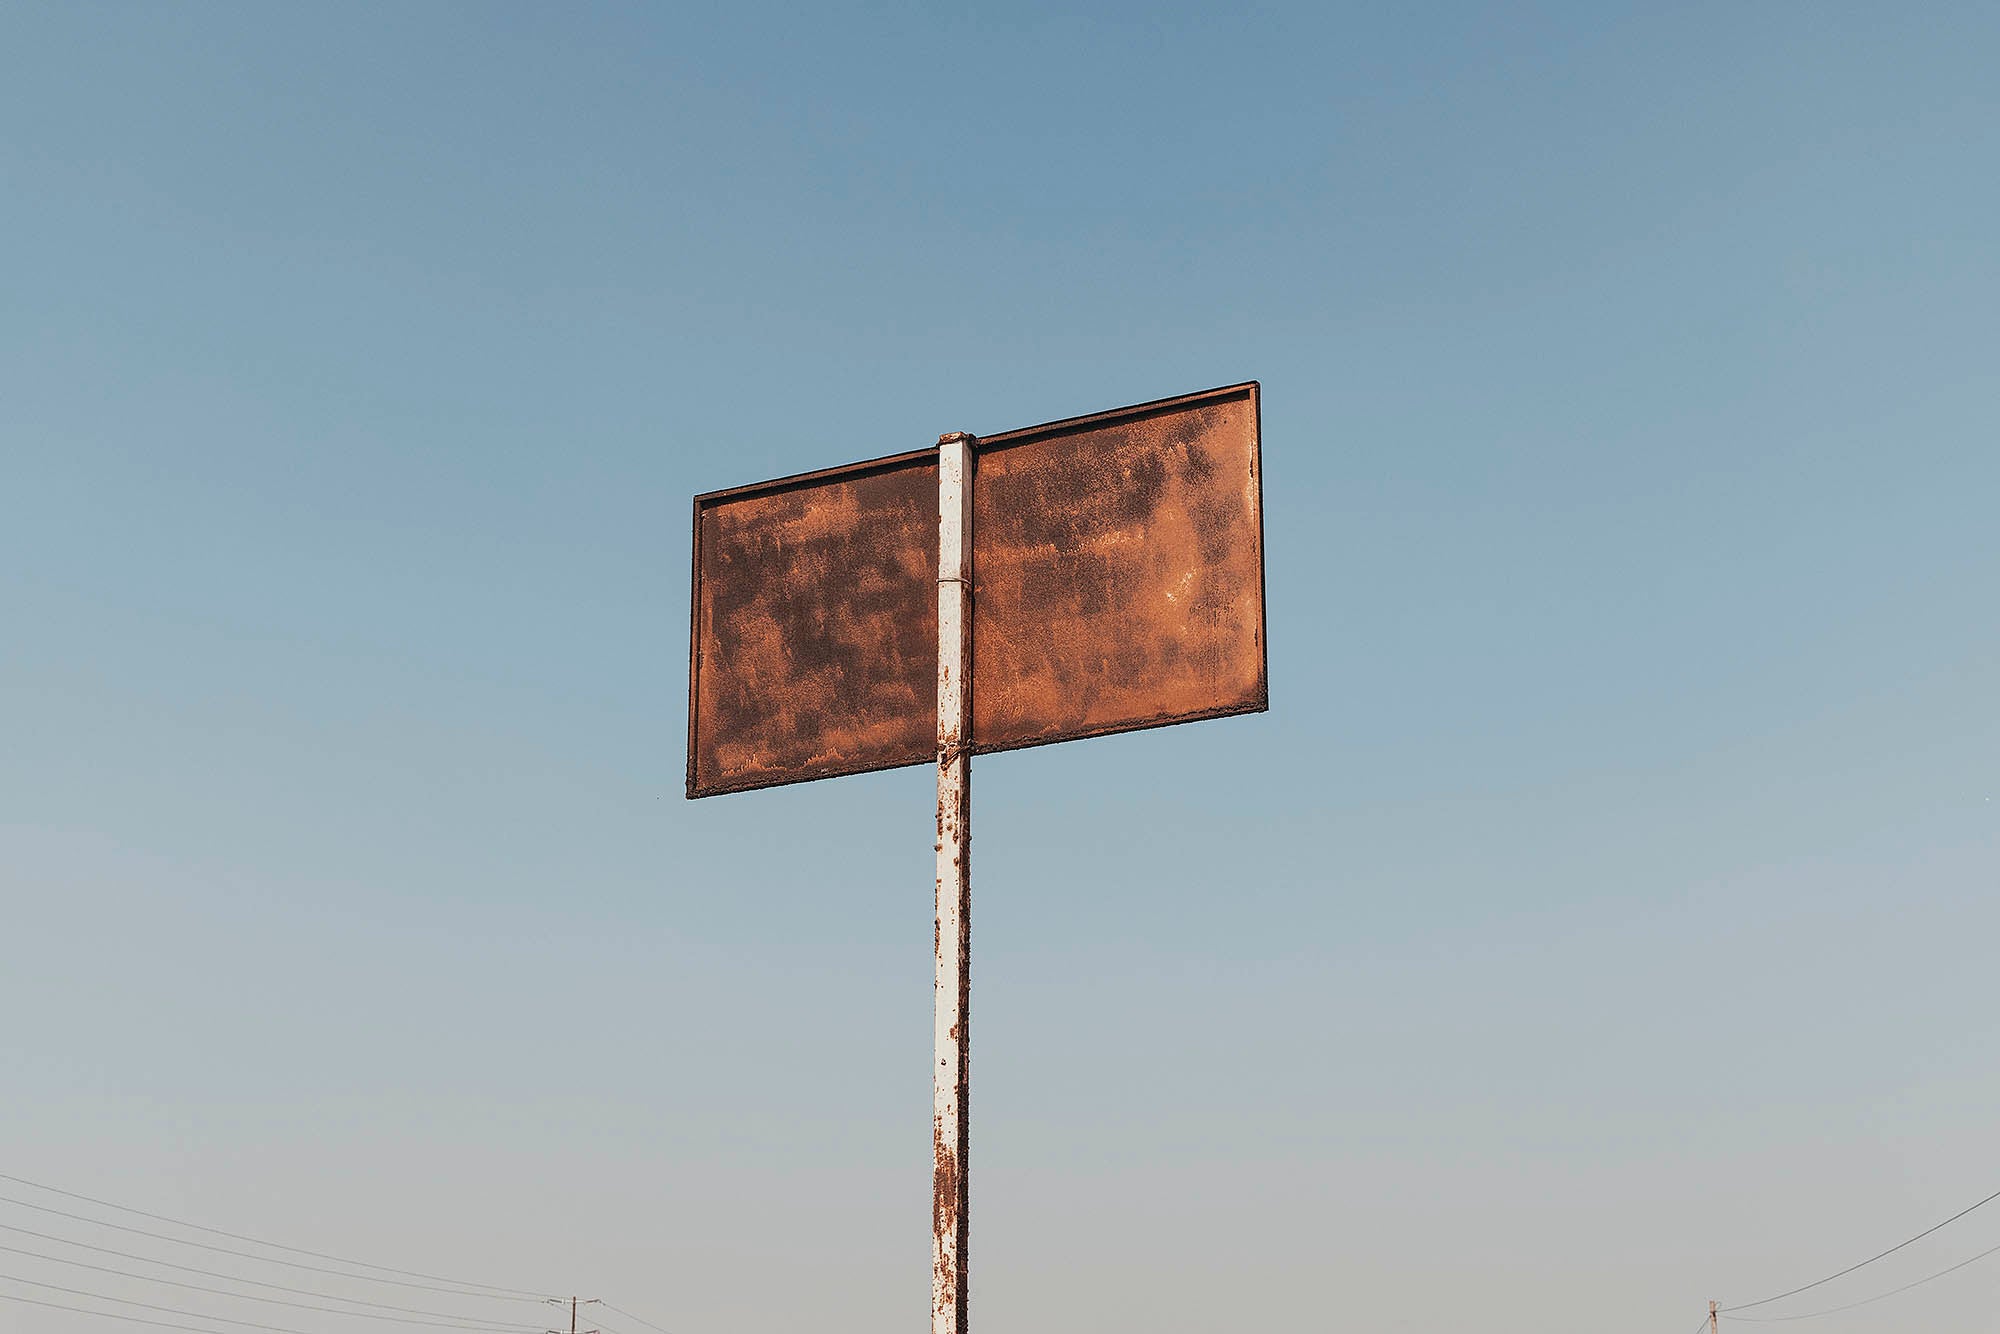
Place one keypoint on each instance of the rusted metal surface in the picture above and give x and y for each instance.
(815, 639)
(1089, 576)
(1119, 572)
(1118, 576)
(952, 1035)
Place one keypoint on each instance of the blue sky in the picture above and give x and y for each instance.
(1600, 921)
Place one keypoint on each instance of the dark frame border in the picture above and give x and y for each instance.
(1260, 703)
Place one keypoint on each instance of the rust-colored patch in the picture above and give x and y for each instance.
(1117, 584)
(1118, 573)
(815, 627)
(944, 1190)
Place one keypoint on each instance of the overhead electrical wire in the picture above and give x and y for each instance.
(1766, 1301)
(512, 1295)
(461, 1288)
(108, 1315)
(259, 1241)
(216, 1273)
(447, 1323)
(629, 1316)
(1870, 1301)
(148, 1306)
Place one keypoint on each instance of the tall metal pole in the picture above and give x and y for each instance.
(949, 1083)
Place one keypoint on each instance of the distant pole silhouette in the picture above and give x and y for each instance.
(575, 1302)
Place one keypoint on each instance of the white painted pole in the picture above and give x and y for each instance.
(949, 1083)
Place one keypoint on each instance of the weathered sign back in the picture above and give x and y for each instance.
(815, 626)
(1089, 576)
(1118, 583)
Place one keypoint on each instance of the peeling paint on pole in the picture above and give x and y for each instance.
(952, 1035)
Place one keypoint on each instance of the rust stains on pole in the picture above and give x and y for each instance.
(949, 1083)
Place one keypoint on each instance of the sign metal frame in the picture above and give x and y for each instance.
(1255, 699)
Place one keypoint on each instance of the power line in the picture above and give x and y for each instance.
(258, 1241)
(232, 1278)
(1766, 1301)
(505, 1328)
(629, 1316)
(108, 1315)
(149, 1306)
(446, 1319)
(1870, 1301)
(265, 1259)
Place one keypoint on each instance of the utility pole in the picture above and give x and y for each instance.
(575, 1302)
(1711, 1318)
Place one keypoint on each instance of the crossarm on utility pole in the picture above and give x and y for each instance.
(949, 1083)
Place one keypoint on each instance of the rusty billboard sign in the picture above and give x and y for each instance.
(1094, 575)
(1117, 580)
(815, 626)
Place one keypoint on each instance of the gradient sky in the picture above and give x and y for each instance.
(1602, 920)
